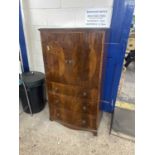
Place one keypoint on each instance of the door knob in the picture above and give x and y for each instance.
(70, 61)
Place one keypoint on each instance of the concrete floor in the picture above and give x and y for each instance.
(124, 119)
(40, 136)
(127, 92)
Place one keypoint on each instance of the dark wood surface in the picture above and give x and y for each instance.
(73, 90)
(73, 60)
(74, 104)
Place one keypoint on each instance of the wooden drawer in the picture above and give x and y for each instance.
(73, 119)
(76, 91)
(73, 104)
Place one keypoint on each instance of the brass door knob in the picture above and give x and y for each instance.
(70, 61)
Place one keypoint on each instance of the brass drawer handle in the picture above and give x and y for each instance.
(57, 101)
(84, 94)
(55, 90)
(83, 121)
(66, 61)
(58, 114)
(84, 108)
(48, 48)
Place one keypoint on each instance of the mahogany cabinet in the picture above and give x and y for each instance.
(74, 61)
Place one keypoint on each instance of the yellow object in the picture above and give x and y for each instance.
(131, 44)
(125, 105)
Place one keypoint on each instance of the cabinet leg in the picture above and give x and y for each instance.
(95, 133)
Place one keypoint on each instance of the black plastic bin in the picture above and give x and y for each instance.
(34, 82)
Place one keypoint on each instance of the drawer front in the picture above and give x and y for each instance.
(73, 119)
(74, 57)
(73, 104)
(76, 91)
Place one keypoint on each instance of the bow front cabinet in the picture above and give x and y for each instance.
(74, 61)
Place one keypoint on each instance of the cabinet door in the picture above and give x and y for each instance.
(74, 57)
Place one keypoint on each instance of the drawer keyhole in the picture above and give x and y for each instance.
(70, 61)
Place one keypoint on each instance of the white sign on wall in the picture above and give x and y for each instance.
(98, 17)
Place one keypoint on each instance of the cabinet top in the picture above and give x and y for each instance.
(73, 29)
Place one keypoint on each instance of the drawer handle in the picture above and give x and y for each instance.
(83, 121)
(66, 61)
(84, 94)
(48, 48)
(57, 101)
(84, 108)
(58, 114)
(55, 90)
